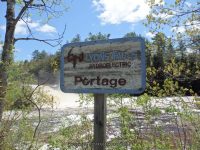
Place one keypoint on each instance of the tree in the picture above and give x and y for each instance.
(182, 51)
(130, 34)
(22, 9)
(159, 45)
(179, 16)
(98, 36)
(77, 38)
(148, 50)
(169, 53)
(39, 55)
(35, 54)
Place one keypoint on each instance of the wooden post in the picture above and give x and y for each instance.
(99, 121)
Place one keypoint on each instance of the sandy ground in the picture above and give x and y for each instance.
(70, 100)
(62, 100)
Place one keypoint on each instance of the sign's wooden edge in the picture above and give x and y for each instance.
(100, 90)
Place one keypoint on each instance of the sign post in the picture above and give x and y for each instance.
(99, 121)
(103, 67)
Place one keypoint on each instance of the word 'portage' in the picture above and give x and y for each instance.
(110, 66)
(98, 81)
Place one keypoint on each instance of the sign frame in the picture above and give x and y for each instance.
(101, 90)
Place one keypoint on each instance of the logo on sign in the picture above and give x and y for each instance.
(74, 58)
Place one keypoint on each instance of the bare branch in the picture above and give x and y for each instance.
(46, 41)
(28, 97)
(27, 27)
(39, 5)
(23, 10)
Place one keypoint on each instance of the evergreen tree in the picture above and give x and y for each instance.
(77, 38)
(159, 45)
(148, 50)
(182, 51)
(169, 54)
(130, 34)
(98, 36)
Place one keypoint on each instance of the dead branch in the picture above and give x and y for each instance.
(23, 10)
(29, 29)
(28, 97)
(46, 41)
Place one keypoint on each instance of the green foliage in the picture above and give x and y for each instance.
(43, 66)
(159, 46)
(77, 38)
(167, 80)
(143, 100)
(182, 47)
(18, 79)
(39, 55)
(197, 102)
(40, 61)
(130, 35)
(72, 136)
(132, 133)
(55, 61)
(85, 99)
(16, 134)
(17, 130)
(178, 16)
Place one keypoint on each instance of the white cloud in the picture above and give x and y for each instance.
(194, 25)
(188, 4)
(156, 2)
(33, 24)
(180, 29)
(150, 35)
(2, 27)
(164, 15)
(118, 11)
(1, 46)
(22, 27)
(47, 29)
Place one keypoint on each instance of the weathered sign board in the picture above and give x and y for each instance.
(110, 66)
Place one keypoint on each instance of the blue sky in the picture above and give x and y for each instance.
(116, 17)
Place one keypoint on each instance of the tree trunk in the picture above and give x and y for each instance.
(7, 55)
(3, 85)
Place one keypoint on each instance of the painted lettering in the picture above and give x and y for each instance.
(99, 65)
(105, 81)
(113, 83)
(77, 79)
(97, 57)
(122, 82)
(117, 55)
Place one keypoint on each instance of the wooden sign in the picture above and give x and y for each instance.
(110, 66)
